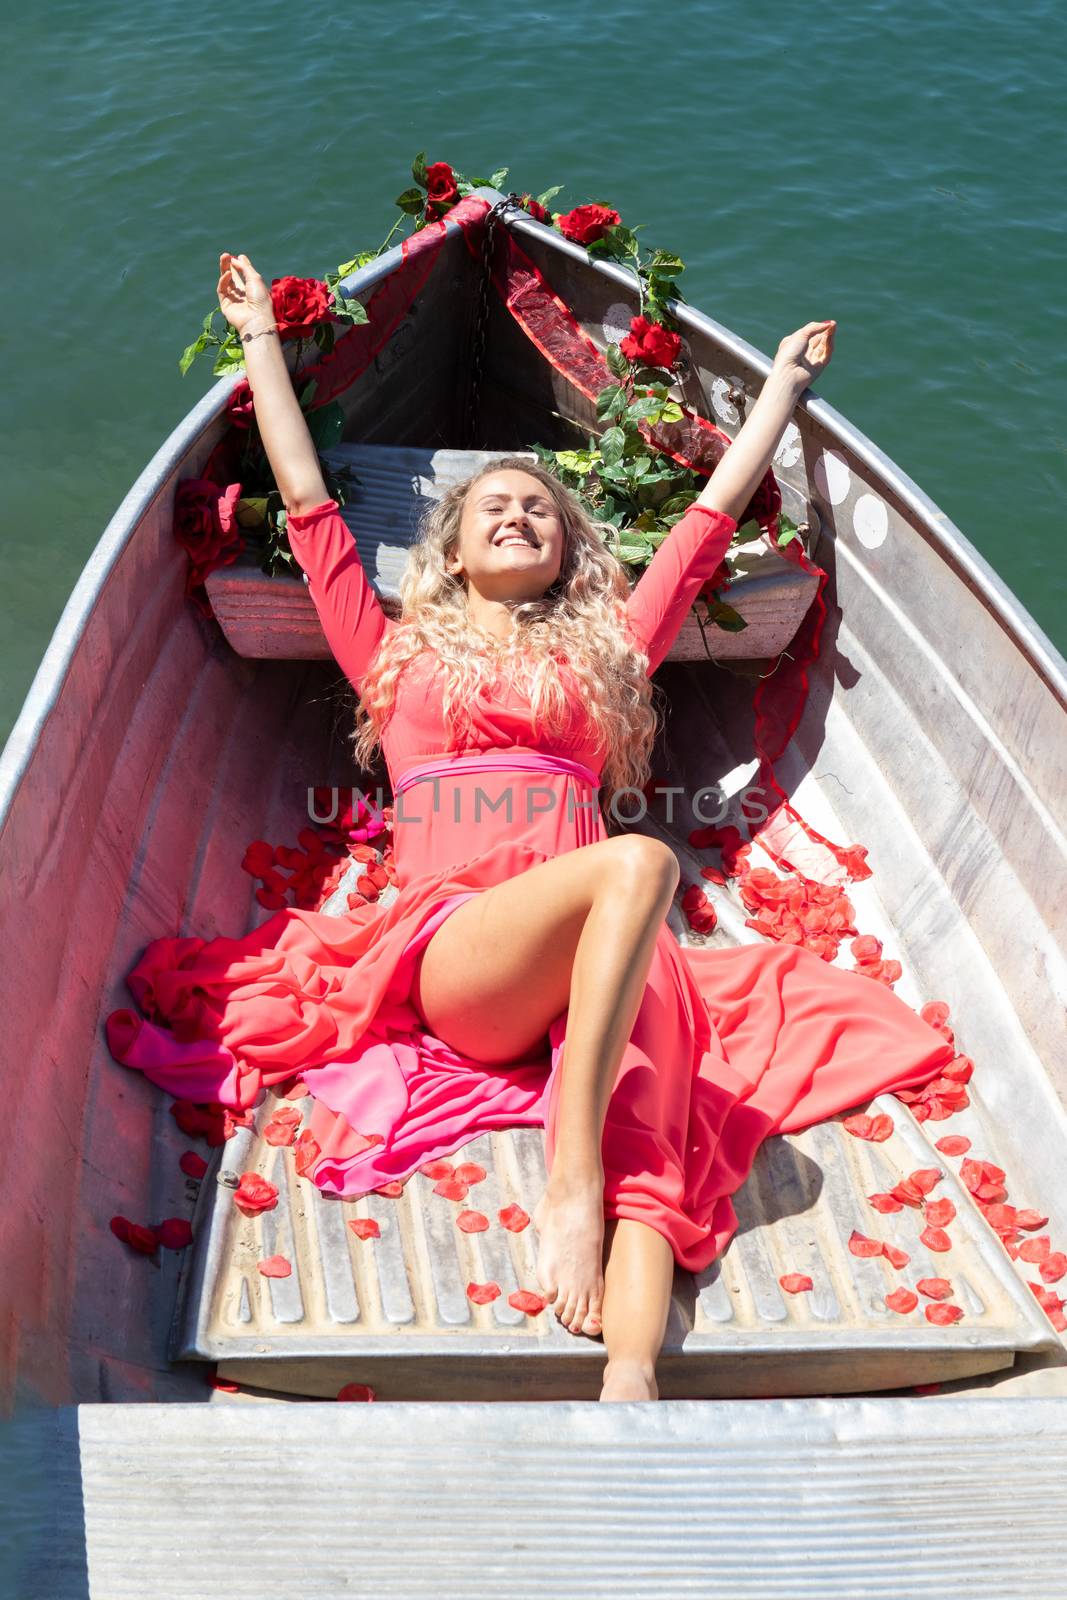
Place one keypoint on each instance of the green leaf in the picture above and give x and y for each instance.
(418, 169)
(309, 393)
(353, 311)
(209, 321)
(640, 410)
(412, 201)
(610, 401)
(787, 530)
(326, 426)
(612, 444)
(226, 363)
(664, 265)
(497, 178)
(616, 361)
(725, 617)
(679, 503)
(192, 351)
(747, 532)
(348, 267)
(549, 194)
(633, 554)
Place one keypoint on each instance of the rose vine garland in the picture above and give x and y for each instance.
(620, 479)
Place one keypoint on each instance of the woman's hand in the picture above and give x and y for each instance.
(244, 298)
(804, 354)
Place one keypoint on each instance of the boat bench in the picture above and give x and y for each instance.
(265, 616)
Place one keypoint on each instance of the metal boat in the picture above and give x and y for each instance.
(156, 742)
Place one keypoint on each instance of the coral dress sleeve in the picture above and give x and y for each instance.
(349, 610)
(687, 558)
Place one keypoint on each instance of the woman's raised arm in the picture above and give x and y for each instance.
(245, 301)
(349, 609)
(687, 558)
(801, 357)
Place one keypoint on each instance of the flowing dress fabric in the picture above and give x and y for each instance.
(729, 1045)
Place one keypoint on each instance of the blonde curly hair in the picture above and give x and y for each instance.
(581, 617)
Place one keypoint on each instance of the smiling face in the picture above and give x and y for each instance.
(510, 538)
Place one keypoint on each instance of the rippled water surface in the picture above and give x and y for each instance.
(898, 166)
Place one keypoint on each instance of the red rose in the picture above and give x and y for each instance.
(651, 343)
(535, 208)
(240, 408)
(586, 224)
(299, 303)
(441, 190)
(205, 524)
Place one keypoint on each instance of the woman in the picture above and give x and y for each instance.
(520, 925)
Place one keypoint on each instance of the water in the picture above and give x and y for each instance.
(898, 166)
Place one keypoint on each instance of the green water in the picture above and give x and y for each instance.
(897, 166)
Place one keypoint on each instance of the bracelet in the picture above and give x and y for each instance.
(246, 337)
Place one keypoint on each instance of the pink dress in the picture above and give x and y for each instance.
(729, 1045)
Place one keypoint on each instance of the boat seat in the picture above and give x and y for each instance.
(393, 1311)
(264, 616)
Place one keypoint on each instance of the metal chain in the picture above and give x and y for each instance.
(481, 317)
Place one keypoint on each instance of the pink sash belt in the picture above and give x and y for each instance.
(496, 761)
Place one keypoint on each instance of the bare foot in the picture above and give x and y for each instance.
(629, 1380)
(570, 1224)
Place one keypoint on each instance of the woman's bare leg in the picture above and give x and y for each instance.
(576, 932)
(638, 1277)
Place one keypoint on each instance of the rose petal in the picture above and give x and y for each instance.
(483, 1293)
(392, 1190)
(469, 1172)
(795, 1282)
(1053, 1267)
(279, 1133)
(141, 1239)
(437, 1169)
(895, 1256)
(450, 1189)
(175, 1233)
(861, 1245)
(902, 1300)
(192, 1165)
(940, 1212)
(885, 1202)
(935, 1288)
(472, 1222)
(514, 1218)
(365, 1228)
(526, 1300)
(942, 1315)
(953, 1144)
(275, 1267)
(356, 1391)
(289, 1115)
(935, 1239)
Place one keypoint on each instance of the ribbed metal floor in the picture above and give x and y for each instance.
(393, 1311)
